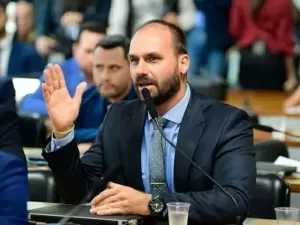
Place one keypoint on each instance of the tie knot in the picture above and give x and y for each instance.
(162, 122)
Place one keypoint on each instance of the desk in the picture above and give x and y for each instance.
(264, 103)
(254, 221)
(249, 221)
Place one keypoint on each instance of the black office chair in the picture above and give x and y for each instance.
(270, 192)
(268, 151)
(33, 130)
(211, 87)
(41, 185)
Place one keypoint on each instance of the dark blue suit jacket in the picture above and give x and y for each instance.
(216, 136)
(7, 93)
(13, 171)
(13, 190)
(24, 59)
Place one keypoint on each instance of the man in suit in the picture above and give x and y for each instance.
(216, 136)
(15, 57)
(7, 93)
(13, 171)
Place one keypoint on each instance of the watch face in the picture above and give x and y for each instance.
(157, 205)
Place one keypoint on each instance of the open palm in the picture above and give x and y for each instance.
(62, 108)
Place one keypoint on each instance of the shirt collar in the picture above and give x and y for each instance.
(177, 112)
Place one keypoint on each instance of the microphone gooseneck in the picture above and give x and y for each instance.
(153, 113)
(270, 129)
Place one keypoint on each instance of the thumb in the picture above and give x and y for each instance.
(79, 91)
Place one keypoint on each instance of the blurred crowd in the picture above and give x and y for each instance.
(255, 43)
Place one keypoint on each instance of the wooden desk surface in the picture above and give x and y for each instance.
(249, 221)
(262, 102)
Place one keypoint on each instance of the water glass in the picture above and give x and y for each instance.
(286, 215)
(178, 213)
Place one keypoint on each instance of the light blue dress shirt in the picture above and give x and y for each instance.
(174, 117)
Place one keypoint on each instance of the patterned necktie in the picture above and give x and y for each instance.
(157, 168)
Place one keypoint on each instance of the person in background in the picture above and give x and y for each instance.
(264, 31)
(125, 15)
(112, 80)
(75, 70)
(25, 22)
(7, 93)
(16, 58)
(205, 44)
(58, 22)
(13, 171)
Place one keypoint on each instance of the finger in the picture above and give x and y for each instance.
(114, 205)
(79, 92)
(60, 76)
(113, 211)
(111, 199)
(46, 93)
(54, 78)
(103, 195)
(112, 185)
(48, 81)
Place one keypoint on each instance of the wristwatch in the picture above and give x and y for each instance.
(156, 206)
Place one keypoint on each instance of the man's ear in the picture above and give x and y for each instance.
(183, 63)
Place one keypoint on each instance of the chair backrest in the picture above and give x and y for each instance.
(41, 185)
(268, 151)
(270, 192)
(214, 88)
(33, 130)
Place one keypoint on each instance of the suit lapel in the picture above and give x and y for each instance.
(191, 129)
(131, 145)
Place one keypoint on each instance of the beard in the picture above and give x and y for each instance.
(164, 91)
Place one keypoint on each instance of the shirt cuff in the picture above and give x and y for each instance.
(59, 143)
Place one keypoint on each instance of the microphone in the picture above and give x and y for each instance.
(99, 186)
(153, 113)
(271, 129)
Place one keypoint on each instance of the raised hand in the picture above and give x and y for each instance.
(62, 108)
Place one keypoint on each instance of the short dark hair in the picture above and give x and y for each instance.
(114, 41)
(91, 26)
(178, 34)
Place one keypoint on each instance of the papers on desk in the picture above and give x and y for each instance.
(287, 162)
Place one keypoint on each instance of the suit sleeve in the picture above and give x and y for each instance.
(234, 169)
(14, 190)
(10, 139)
(76, 176)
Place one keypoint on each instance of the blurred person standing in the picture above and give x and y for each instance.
(58, 22)
(127, 15)
(264, 31)
(209, 39)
